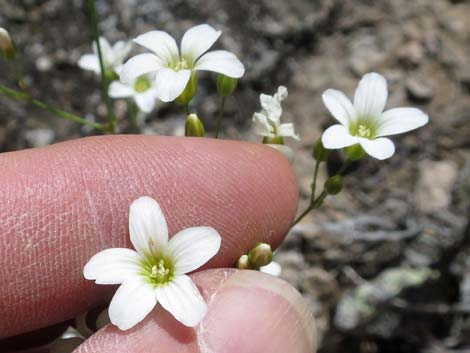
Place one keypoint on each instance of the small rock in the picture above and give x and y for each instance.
(44, 64)
(418, 90)
(39, 137)
(411, 54)
(435, 184)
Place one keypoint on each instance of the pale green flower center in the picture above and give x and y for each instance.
(181, 64)
(142, 84)
(364, 127)
(158, 270)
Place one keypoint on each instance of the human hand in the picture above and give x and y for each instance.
(62, 204)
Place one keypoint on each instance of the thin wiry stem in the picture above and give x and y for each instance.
(219, 117)
(24, 97)
(104, 79)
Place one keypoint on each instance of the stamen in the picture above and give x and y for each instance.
(364, 131)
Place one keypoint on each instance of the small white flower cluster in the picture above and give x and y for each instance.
(363, 122)
(166, 71)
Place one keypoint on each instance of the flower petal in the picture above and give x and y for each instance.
(381, 148)
(339, 106)
(371, 95)
(222, 62)
(272, 107)
(197, 40)
(170, 84)
(146, 100)
(193, 247)
(131, 303)
(106, 50)
(262, 126)
(399, 120)
(273, 268)
(139, 65)
(183, 300)
(119, 90)
(147, 225)
(287, 130)
(337, 136)
(112, 266)
(89, 62)
(121, 49)
(161, 43)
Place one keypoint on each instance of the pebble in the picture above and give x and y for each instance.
(418, 90)
(434, 186)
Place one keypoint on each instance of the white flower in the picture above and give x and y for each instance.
(365, 122)
(173, 68)
(268, 120)
(113, 57)
(141, 90)
(273, 268)
(156, 271)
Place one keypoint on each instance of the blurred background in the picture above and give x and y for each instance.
(385, 266)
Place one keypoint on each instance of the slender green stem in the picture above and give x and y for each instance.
(19, 75)
(344, 167)
(314, 183)
(24, 97)
(104, 79)
(133, 111)
(219, 117)
(315, 203)
(186, 107)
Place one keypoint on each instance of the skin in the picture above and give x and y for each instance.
(61, 204)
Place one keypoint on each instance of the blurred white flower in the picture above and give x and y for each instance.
(174, 68)
(365, 122)
(273, 268)
(141, 90)
(113, 57)
(268, 120)
(156, 271)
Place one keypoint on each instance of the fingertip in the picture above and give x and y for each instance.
(248, 312)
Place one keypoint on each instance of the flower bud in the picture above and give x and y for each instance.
(355, 152)
(226, 85)
(243, 263)
(260, 255)
(189, 92)
(334, 184)
(320, 153)
(277, 140)
(194, 126)
(7, 47)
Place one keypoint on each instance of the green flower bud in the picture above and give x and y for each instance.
(226, 85)
(320, 153)
(189, 91)
(260, 255)
(194, 126)
(243, 263)
(7, 47)
(355, 152)
(334, 184)
(278, 140)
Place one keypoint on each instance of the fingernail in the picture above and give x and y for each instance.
(255, 312)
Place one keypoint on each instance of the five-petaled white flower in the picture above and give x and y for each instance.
(156, 271)
(173, 68)
(365, 122)
(268, 120)
(141, 90)
(113, 57)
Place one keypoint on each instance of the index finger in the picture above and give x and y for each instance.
(61, 204)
